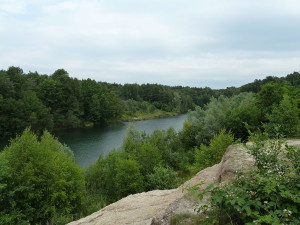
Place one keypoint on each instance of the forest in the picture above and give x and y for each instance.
(60, 101)
(41, 184)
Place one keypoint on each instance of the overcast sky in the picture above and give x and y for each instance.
(214, 43)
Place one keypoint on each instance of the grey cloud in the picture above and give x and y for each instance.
(197, 42)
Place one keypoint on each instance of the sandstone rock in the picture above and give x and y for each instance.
(187, 203)
(236, 159)
(137, 209)
(157, 207)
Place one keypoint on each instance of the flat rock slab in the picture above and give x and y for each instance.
(149, 207)
(137, 209)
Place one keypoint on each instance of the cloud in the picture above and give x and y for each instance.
(198, 42)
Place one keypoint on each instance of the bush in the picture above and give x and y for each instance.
(284, 119)
(38, 181)
(162, 178)
(268, 195)
(210, 155)
(128, 178)
(149, 156)
(223, 112)
(100, 177)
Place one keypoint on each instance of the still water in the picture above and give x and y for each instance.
(88, 143)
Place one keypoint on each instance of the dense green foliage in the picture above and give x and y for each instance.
(275, 105)
(47, 102)
(144, 162)
(224, 112)
(207, 156)
(284, 119)
(267, 195)
(60, 101)
(293, 79)
(201, 143)
(162, 178)
(39, 181)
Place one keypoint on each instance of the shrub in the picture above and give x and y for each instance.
(162, 178)
(128, 178)
(268, 195)
(284, 119)
(149, 156)
(100, 177)
(38, 181)
(209, 155)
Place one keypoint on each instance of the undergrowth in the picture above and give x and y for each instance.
(270, 194)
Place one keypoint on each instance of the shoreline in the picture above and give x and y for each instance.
(141, 117)
(126, 118)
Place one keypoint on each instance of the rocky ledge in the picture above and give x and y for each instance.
(157, 207)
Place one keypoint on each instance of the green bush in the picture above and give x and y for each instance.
(268, 195)
(210, 155)
(148, 157)
(223, 112)
(128, 178)
(162, 178)
(100, 177)
(284, 119)
(38, 181)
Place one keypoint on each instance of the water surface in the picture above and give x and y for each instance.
(88, 143)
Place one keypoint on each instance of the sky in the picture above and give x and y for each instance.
(198, 43)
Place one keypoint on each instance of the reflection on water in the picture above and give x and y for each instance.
(88, 143)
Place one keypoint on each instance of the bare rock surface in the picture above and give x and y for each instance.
(236, 159)
(294, 142)
(157, 207)
(137, 209)
(186, 203)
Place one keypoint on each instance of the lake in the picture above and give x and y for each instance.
(88, 143)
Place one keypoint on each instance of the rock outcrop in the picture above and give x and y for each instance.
(157, 207)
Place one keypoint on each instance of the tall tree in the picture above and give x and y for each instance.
(128, 179)
(41, 181)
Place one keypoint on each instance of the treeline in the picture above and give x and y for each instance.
(293, 79)
(40, 183)
(157, 161)
(60, 101)
(47, 102)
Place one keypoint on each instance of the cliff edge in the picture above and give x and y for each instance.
(156, 207)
